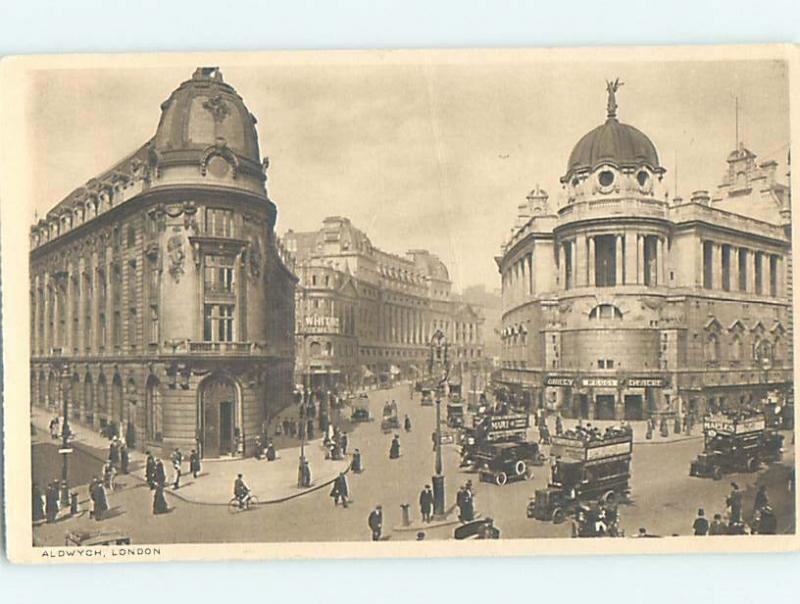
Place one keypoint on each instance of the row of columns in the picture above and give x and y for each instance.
(578, 256)
(518, 280)
(407, 326)
(76, 291)
(755, 264)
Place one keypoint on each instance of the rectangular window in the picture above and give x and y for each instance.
(219, 274)
(219, 222)
(773, 276)
(601, 363)
(726, 268)
(569, 278)
(117, 327)
(759, 273)
(609, 364)
(742, 269)
(218, 323)
(605, 261)
(708, 265)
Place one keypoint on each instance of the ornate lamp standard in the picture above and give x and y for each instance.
(65, 450)
(439, 367)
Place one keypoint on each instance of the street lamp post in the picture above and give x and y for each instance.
(65, 432)
(438, 357)
(304, 400)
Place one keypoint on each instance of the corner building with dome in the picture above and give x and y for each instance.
(162, 304)
(620, 303)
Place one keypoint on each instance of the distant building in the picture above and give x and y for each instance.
(160, 302)
(367, 316)
(618, 303)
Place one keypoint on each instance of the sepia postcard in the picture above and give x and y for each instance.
(394, 303)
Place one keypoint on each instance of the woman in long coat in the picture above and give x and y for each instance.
(100, 501)
(150, 471)
(159, 501)
(394, 449)
(51, 502)
(161, 474)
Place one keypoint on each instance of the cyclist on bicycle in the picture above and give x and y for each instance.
(240, 491)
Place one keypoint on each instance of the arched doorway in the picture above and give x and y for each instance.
(88, 400)
(152, 410)
(116, 399)
(102, 400)
(217, 415)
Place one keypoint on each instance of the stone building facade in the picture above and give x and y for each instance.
(621, 303)
(365, 315)
(161, 302)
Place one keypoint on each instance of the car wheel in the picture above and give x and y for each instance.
(520, 468)
(609, 498)
(558, 516)
(501, 478)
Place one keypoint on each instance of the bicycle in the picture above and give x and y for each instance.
(235, 505)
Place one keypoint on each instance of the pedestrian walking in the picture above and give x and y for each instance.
(761, 500)
(343, 441)
(544, 432)
(343, 488)
(664, 428)
(716, 528)
(109, 473)
(54, 427)
(461, 502)
(375, 522)
(160, 505)
(734, 503)
(649, 434)
(700, 525)
(124, 457)
(394, 448)
(177, 459)
(270, 452)
(407, 423)
(150, 471)
(38, 504)
(356, 465)
(426, 503)
(469, 502)
(305, 472)
(160, 475)
(285, 425)
(92, 496)
(100, 500)
(51, 502)
(113, 453)
(194, 463)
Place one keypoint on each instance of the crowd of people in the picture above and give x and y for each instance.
(762, 519)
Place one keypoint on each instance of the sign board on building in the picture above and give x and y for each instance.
(600, 382)
(645, 382)
(318, 324)
(559, 380)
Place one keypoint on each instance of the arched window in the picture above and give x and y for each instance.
(736, 348)
(328, 349)
(712, 348)
(606, 311)
(315, 349)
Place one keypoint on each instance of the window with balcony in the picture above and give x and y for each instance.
(219, 274)
(218, 324)
(219, 222)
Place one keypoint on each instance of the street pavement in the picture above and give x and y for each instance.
(664, 498)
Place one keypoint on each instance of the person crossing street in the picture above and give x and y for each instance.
(375, 522)
(426, 503)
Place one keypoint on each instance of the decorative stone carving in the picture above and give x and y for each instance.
(218, 108)
(151, 250)
(176, 256)
(219, 149)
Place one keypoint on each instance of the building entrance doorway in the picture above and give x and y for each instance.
(604, 406)
(218, 417)
(634, 407)
(581, 406)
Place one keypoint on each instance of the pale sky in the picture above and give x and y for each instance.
(415, 154)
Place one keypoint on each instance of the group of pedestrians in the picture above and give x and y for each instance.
(465, 500)
(763, 519)
(47, 505)
(156, 475)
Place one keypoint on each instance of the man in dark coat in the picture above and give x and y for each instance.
(343, 443)
(150, 471)
(469, 503)
(343, 488)
(113, 453)
(461, 502)
(270, 452)
(700, 525)
(716, 527)
(734, 502)
(767, 522)
(51, 502)
(376, 522)
(355, 464)
(124, 458)
(761, 499)
(426, 503)
(38, 504)
(407, 424)
(194, 463)
(306, 473)
(394, 448)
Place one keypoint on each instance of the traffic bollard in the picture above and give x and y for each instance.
(405, 507)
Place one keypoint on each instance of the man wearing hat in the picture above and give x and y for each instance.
(426, 503)
(700, 525)
(734, 502)
(376, 522)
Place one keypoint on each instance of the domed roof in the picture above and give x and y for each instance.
(205, 112)
(620, 145)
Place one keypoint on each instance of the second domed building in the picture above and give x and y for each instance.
(621, 303)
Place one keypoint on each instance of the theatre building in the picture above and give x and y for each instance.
(161, 303)
(619, 302)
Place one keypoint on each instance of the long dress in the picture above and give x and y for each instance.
(394, 450)
(159, 501)
(101, 501)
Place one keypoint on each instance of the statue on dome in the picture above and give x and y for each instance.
(612, 88)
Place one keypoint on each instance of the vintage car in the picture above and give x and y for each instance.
(359, 405)
(501, 463)
(93, 538)
(482, 528)
(735, 442)
(427, 397)
(390, 419)
(584, 468)
(455, 415)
